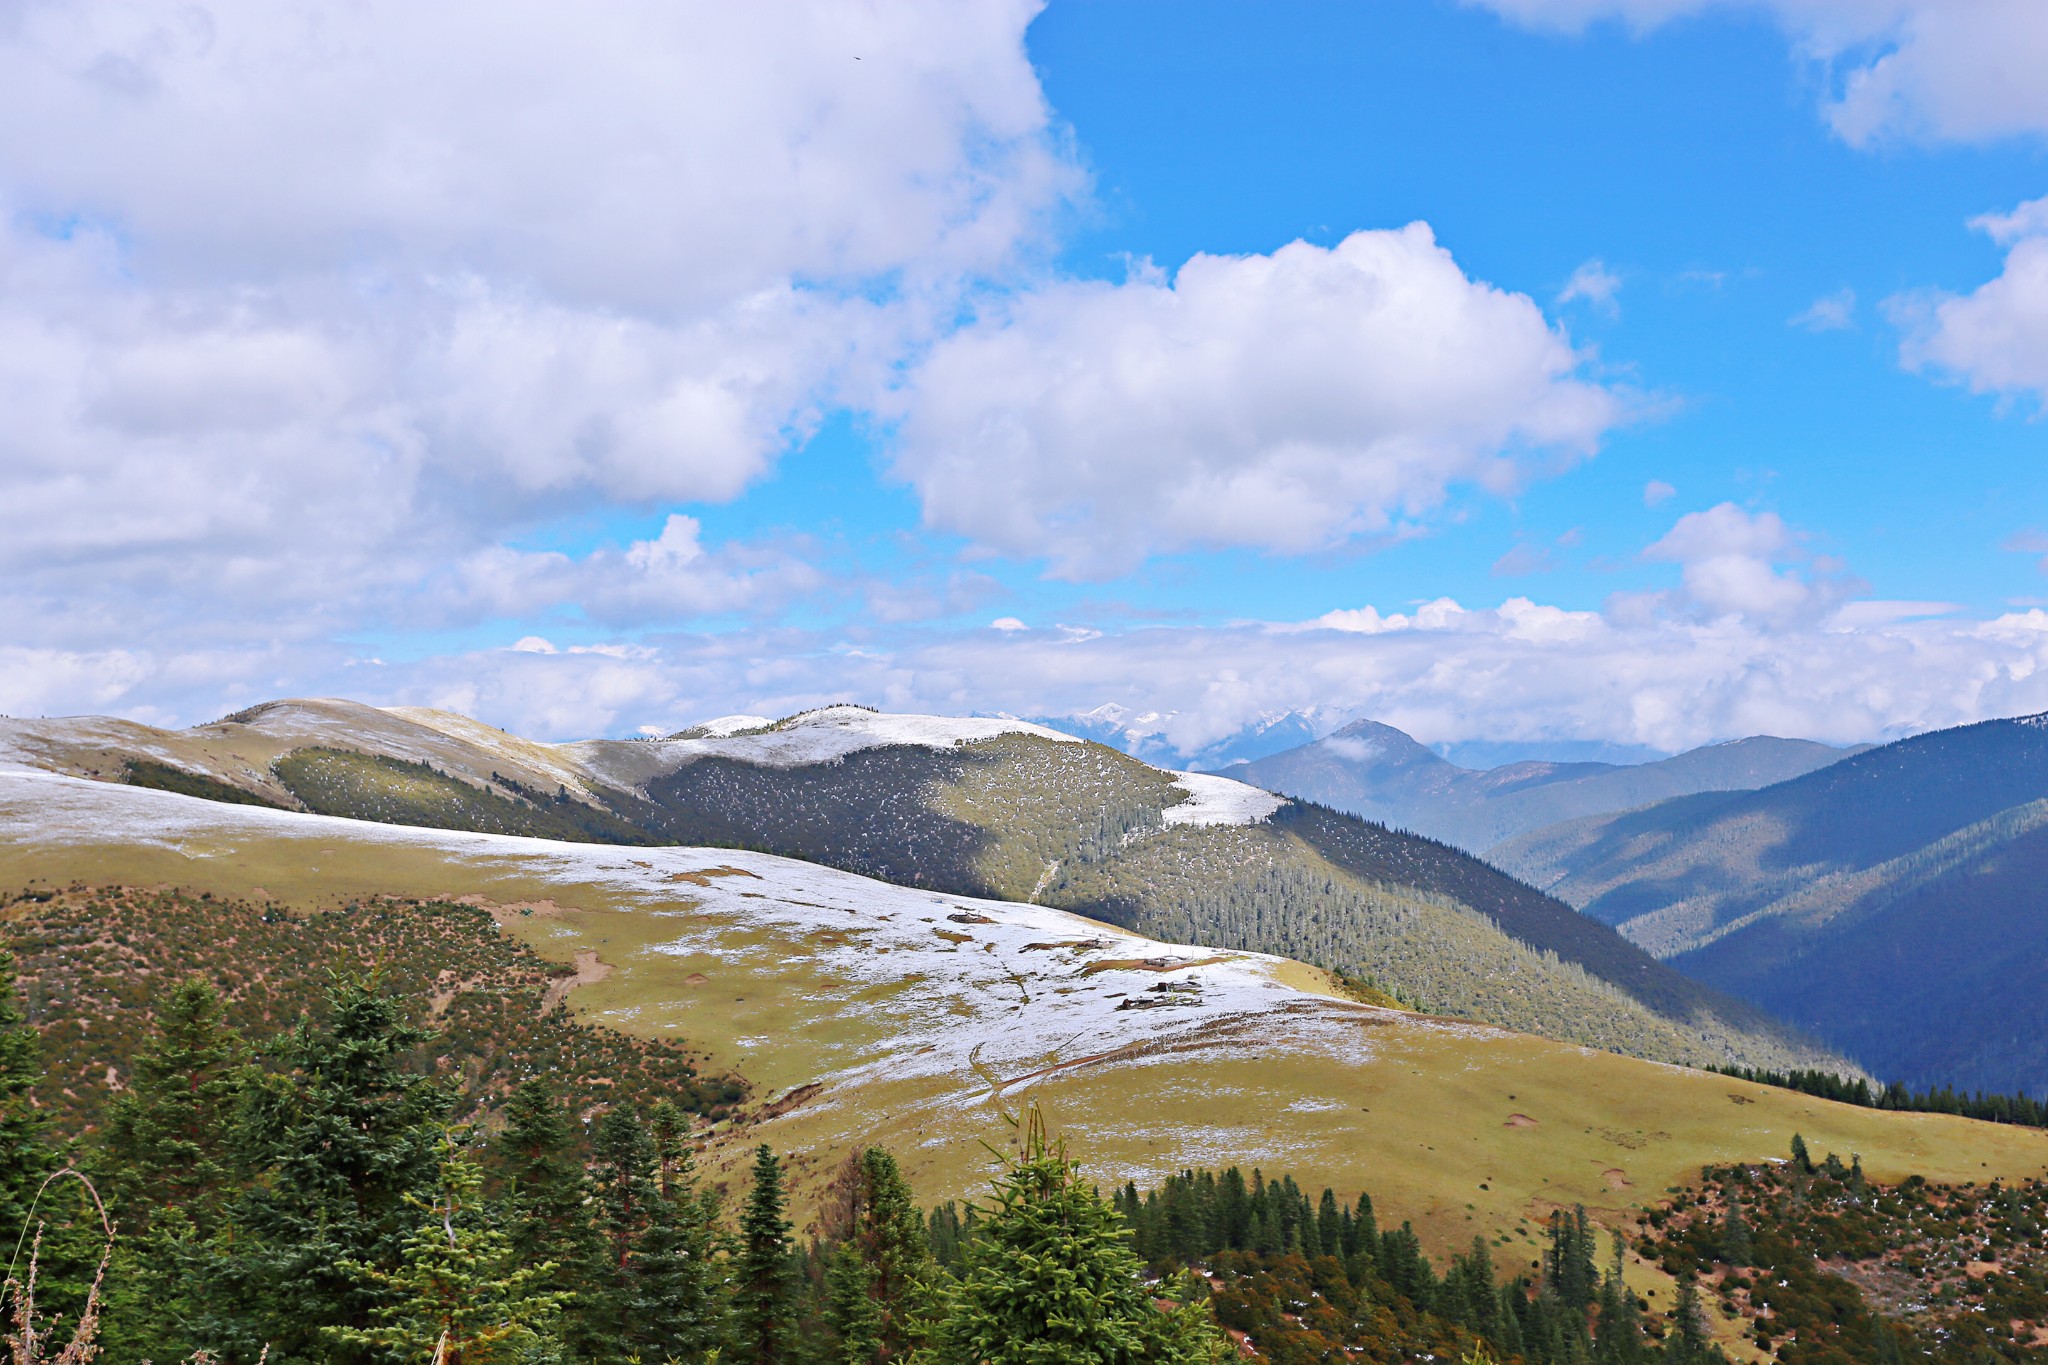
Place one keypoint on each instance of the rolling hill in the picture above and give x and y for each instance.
(990, 808)
(1891, 902)
(1379, 773)
(849, 1011)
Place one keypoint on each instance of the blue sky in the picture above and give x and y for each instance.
(749, 377)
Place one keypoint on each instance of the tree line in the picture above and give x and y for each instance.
(2023, 1110)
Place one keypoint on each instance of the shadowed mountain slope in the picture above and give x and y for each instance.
(1892, 902)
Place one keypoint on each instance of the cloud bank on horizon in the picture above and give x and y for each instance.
(444, 354)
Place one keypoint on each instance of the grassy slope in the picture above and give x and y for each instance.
(1073, 825)
(1419, 1111)
(1080, 827)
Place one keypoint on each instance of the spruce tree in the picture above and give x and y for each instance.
(547, 1210)
(1052, 1280)
(1688, 1342)
(764, 1273)
(1735, 1243)
(26, 1155)
(171, 1170)
(340, 1138)
(675, 1314)
(880, 1276)
(461, 1294)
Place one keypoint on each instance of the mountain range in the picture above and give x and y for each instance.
(1891, 902)
(982, 807)
(1379, 773)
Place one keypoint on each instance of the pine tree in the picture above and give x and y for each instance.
(675, 1314)
(339, 1138)
(169, 1133)
(1800, 1156)
(461, 1294)
(547, 1209)
(26, 1156)
(764, 1276)
(1052, 1280)
(1688, 1342)
(171, 1171)
(880, 1276)
(1568, 1262)
(1735, 1243)
(1621, 1340)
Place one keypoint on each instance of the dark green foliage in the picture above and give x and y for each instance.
(169, 1135)
(764, 1307)
(92, 957)
(460, 1294)
(26, 1156)
(546, 1201)
(1052, 1280)
(675, 1313)
(341, 1138)
(2020, 1109)
(142, 772)
(880, 1277)
(170, 1165)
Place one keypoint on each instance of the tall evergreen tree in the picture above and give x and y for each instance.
(1052, 1280)
(675, 1314)
(461, 1294)
(1688, 1342)
(170, 1133)
(1569, 1260)
(340, 1138)
(547, 1211)
(881, 1274)
(26, 1154)
(171, 1170)
(764, 1273)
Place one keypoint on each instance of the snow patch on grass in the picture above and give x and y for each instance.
(1216, 800)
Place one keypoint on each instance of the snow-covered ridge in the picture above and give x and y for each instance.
(1220, 801)
(833, 732)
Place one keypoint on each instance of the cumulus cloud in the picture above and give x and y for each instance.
(1995, 338)
(1746, 564)
(1656, 491)
(302, 306)
(1285, 402)
(1955, 69)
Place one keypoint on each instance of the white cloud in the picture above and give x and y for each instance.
(1995, 338)
(1956, 69)
(1523, 670)
(304, 306)
(1286, 402)
(1595, 284)
(1829, 313)
(1742, 564)
(1657, 491)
